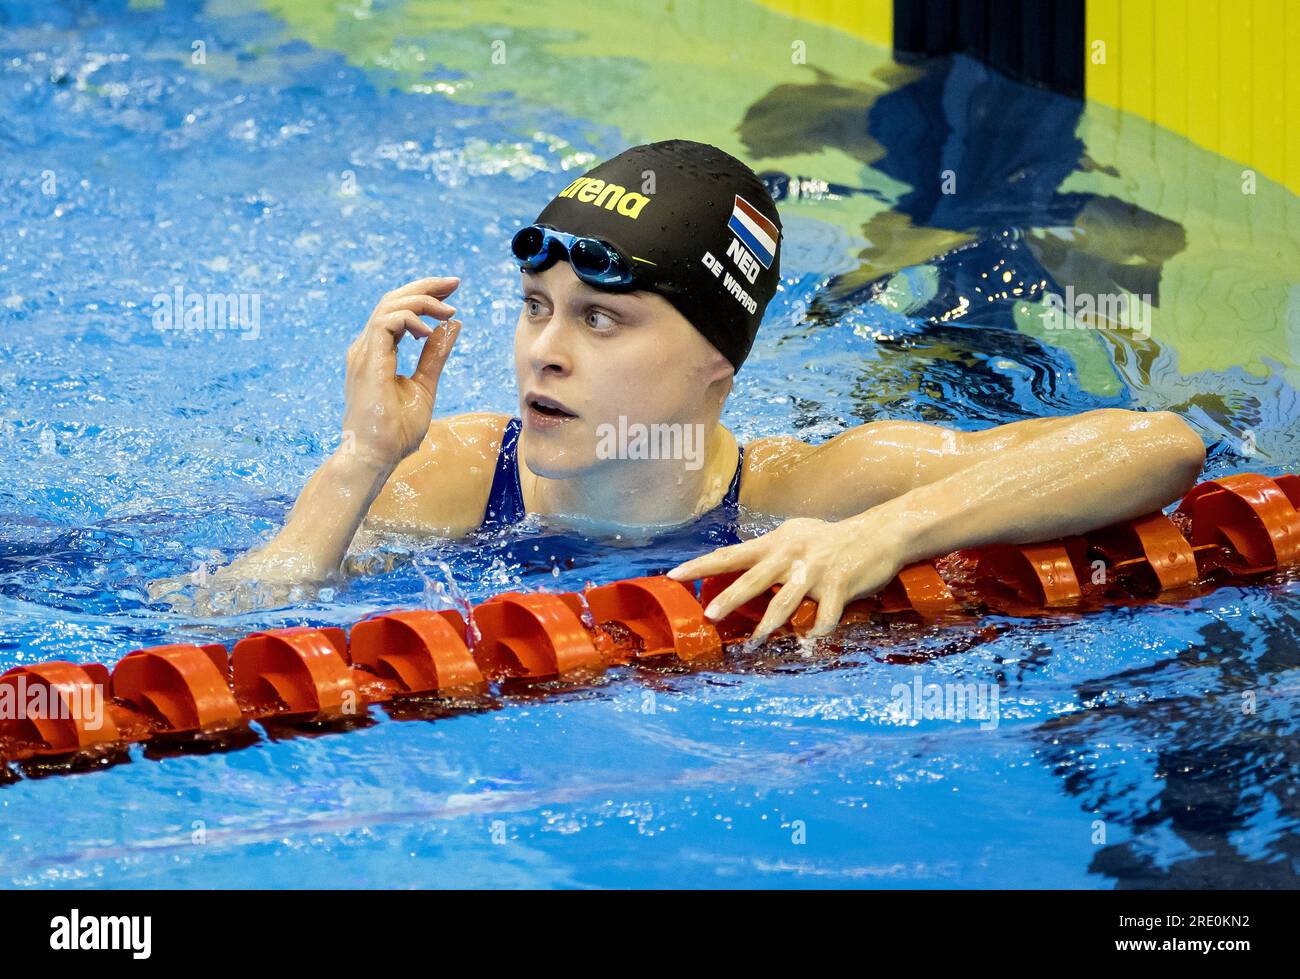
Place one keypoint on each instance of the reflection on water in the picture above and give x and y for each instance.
(131, 454)
(1216, 724)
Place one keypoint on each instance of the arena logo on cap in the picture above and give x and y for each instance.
(612, 197)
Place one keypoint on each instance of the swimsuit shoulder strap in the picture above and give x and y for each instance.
(505, 504)
(733, 491)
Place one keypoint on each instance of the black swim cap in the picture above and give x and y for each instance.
(701, 216)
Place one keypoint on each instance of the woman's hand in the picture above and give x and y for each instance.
(385, 419)
(387, 414)
(831, 563)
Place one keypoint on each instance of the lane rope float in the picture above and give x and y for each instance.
(1234, 528)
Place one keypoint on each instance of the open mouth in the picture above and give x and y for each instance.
(549, 408)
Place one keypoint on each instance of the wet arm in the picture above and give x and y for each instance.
(922, 491)
(1033, 480)
(320, 528)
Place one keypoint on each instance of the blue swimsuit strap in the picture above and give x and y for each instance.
(505, 503)
(732, 498)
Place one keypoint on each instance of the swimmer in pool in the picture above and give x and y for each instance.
(643, 284)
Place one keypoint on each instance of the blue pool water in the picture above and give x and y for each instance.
(1121, 755)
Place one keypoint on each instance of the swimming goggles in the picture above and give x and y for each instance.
(596, 262)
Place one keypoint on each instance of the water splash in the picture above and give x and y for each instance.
(588, 619)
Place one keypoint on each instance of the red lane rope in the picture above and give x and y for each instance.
(1233, 528)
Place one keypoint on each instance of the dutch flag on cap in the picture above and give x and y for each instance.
(756, 232)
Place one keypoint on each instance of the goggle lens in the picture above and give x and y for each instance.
(591, 257)
(529, 245)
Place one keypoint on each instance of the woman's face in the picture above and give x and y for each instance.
(601, 355)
